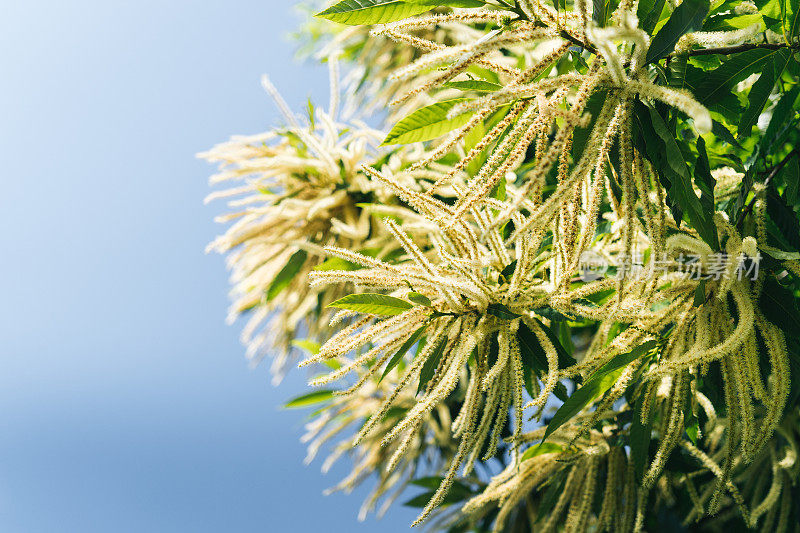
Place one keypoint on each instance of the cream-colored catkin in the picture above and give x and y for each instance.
(577, 521)
(571, 486)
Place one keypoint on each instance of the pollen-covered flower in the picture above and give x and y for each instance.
(334, 424)
(294, 191)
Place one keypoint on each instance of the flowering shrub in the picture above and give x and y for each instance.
(559, 289)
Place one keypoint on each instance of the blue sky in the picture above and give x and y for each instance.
(126, 403)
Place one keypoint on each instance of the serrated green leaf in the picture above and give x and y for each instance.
(677, 71)
(501, 311)
(310, 398)
(420, 500)
(565, 360)
(287, 274)
(659, 146)
(700, 294)
(458, 492)
(531, 352)
(356, 12)
(398, 356)
(427, 123)
(791, 180)
(761, 89)
(706, 183)
(692, 429)
(600, 12)
(640, 437)
(552, 494)
(780, 254)
(784, 218)
(307, 345)
(429, 367)
(597, 384)
(509, 269)
(731, 21)
(449, 3)
(541, 449)
(419, 299)
(337, 263)
(724, 134)
(687, 17)
(780, 306)
(478, 86)
(715, 88)
(782, 113)
(428, 482)
(372, 304)
(649, 12)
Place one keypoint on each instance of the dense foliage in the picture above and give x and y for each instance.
(557, 287)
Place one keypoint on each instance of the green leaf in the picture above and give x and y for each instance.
(428, 482)
(597, 384)
(723, 134)
(648, 13)
(531, 352)
(307, 345)
(791, 179)
(420, 500)
(731, 21)
(693, 428)
(792, 24)
(373, 304)
(337, 263)
(552, 494)
(311, 398)
(429, 367)
(660, 148)
(541, 449)
(419, 299)
(287, 274)
(783, 112)
(478, 86)
(501, 311)
(564, 358)
(784, 218)
(640, 437)
(700, 294)
(715, 88)
(355, 12)
(687, 17)
(508, 270)
(780, 254)
(761, 89)
(677, 71)
(449, 3)
(600, 12)
(398, 356)
(780, 306)
(706, 183)
(427, 123)
(458, 492)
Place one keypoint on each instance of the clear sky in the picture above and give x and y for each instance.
(126, 403)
